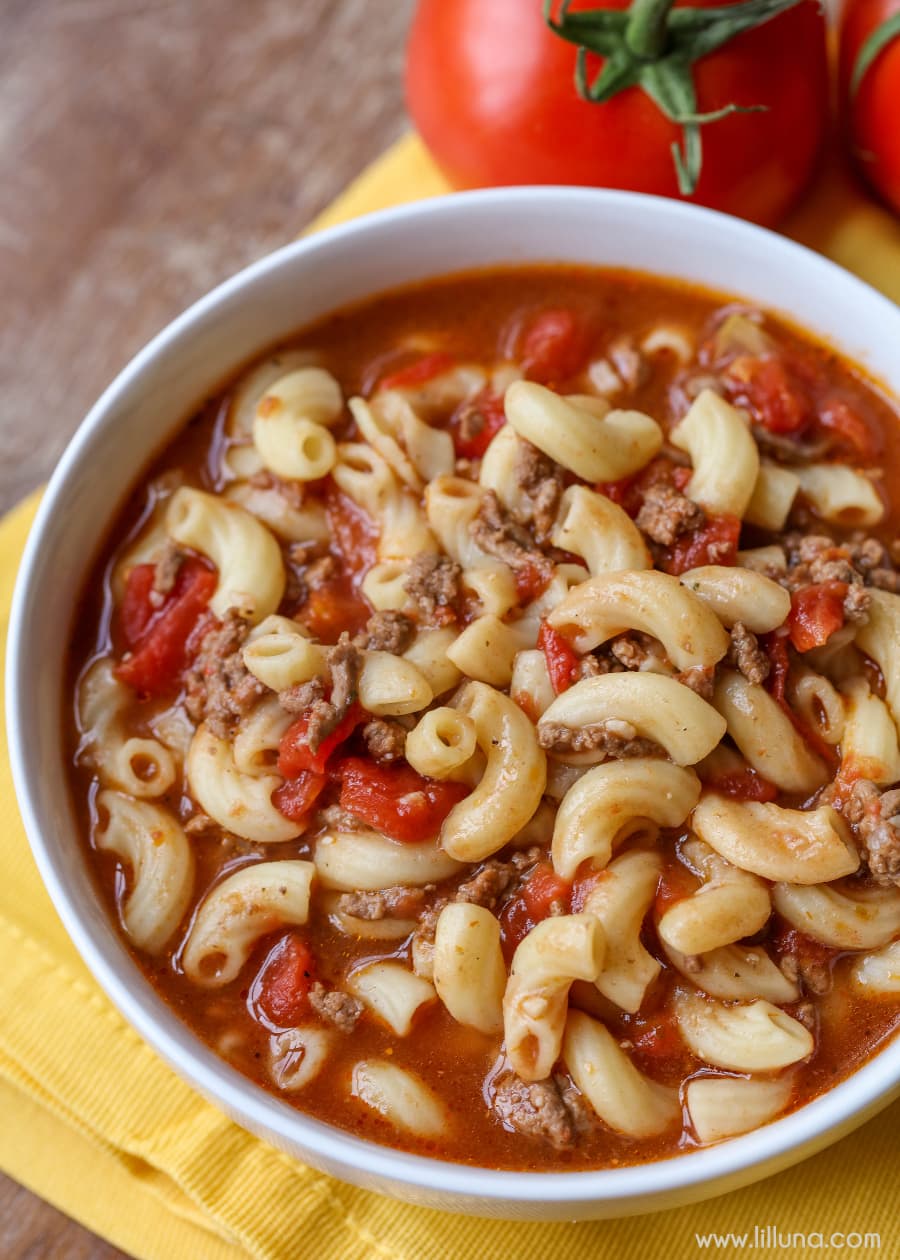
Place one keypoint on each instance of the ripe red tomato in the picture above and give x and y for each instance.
(872, 105)
(491, 90)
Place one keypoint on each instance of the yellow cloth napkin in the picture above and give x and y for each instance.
(92, 1120)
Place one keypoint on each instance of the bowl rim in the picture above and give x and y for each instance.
(779, 1143)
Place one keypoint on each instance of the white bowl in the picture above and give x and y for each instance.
(142, 410)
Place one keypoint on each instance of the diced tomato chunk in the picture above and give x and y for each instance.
(743, 785)
(787, 940)
(629, 492)
(331, 608)
(816, 613)
(553, 346)
(417, 372)
(715, 542)
(675, 883)
(396, 800)
(531, 905)
(531, 580)
(295, 755)
(850, 429)
(281, 988)
(475, 424)
(158, 638)
(771, 392)
(354, 532)
(662, 1039)
(136, 610)
(296, 797)
(563, 662)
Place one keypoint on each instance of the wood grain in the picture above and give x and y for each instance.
(148, 149)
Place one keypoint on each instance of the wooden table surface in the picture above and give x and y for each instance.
(148, 149)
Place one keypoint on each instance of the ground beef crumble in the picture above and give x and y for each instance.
(338, 1008)
(432, 583)
(345, 663)
(665, 514)
(539, 1109)
(387, 631)
(385, 740)
(612, 739)
(542, 482)
(165, 572)
(876, 817)
(496, 532)
(745, 654)
(219, 689)
(397, 902)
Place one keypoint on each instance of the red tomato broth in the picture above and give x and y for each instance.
(471, 312)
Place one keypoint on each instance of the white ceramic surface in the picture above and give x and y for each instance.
(145, 406)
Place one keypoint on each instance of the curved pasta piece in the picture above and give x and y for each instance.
(862, 918)
(810, 846)
(368, 480)
(840, 494)
(530, 686)
(620, 899)
(555, 952)
(283, 658)
(722, 451)
(757, 1037)
(390, 686)
(739, 595)
(469, 971)
(441, 742)
(735, 973)
(398, 1095)
(241, 803)
(138, 766)
(392, 991)
(614, 801)
(869, 748)
(251, 571)
(730, 904)
(251, 387)
(307, 523)
(451, 505)
(258, 737)
(429, 450)
(244, 907)
(591, 526)
(297, 1056)
(656, 707)
(151, 841)
(815, 699)
(581, 433)
(622, 1097)
(513, 782)
(485, 650)
(766, 736)
(773, 497)
(499, 469)
(878, 972)
(290, 424)
(880, 639)
(724, 1106)
(368, 861)
(428, 652)
(647, 600)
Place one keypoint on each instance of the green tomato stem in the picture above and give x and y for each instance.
(646, 33)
